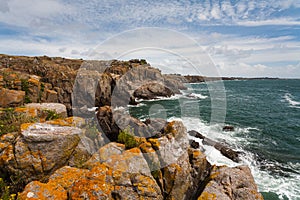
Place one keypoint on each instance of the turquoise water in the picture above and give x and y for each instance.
(266, 117)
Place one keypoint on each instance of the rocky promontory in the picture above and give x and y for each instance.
(55, 145)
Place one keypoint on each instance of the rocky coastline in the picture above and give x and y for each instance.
(53, 145)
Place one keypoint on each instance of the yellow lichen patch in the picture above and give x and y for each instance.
(59, 122)
(134, 150)
(170, 128)
(25, 126)
(144, 185)
(32, 112)
(146, 148)
(140, 140)
(75, 121)
(155, 143)
(207, 196)
(34, 81)
(7, 155)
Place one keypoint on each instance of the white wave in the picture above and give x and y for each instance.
(137, 105)
(289, 98)
(176, 96)
(266, 181)
(93, 109)
(282, 185)
(197, 96)
(121, 108)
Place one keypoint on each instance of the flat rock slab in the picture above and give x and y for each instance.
(57, 107)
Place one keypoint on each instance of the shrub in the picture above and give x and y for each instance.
(51, 115)
(11, 121)
(126, 137)
(5, 191)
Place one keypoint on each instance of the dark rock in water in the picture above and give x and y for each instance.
(196, 134)
(209, 142)
(225, 150)
(228, 152)
(228, 128)
(194, 144)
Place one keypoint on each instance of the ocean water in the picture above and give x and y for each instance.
(266, 118)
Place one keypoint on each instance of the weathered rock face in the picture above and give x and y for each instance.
(45, 79)
(42, 148)
(111, 122)
(123, 176)
(159, 168)
(231, 183)
(107, 123)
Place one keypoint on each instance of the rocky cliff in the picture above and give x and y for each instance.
(45, 153)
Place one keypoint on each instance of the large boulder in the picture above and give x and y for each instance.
(11, 98)
(39, 150)
(152, 91)
(230, 184)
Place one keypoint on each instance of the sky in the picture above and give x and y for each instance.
(226, 37)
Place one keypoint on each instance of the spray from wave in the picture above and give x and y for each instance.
(290, 99)
(270, 176)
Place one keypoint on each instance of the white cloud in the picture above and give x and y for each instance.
(24, 13)
(278, 21)
(258, 70)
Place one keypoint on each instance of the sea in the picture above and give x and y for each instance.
(265, 115)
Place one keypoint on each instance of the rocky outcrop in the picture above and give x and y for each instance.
(69, 158)
(42, 148)
(231, 184)
(139, 77)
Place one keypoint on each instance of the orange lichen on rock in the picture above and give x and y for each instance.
(207, 196)
(34, 81)
(29, 111)
(25, 126)
(96, 185)
(41, 191)
(155, 143)
(66, 176)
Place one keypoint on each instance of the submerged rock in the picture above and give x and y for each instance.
(228, 128)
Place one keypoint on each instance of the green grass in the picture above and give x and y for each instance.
(126, 137)
(5, 193)
(11, 121)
